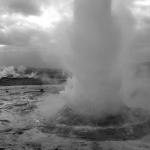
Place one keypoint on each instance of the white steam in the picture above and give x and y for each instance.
(94, 57)
(134, 56)
(11, 72)
(107, 50)
(8, 71)
(21, 69)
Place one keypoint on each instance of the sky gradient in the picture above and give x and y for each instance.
(29, 30)
(26, 31)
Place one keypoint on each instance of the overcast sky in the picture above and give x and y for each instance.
(27, 28)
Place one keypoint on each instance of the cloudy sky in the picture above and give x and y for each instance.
(27, 29)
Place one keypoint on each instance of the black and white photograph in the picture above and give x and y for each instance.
(74, 74)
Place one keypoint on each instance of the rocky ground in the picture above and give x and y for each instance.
(23, 128)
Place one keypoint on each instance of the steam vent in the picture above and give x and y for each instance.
(127, 125)
(74, 74)
(10, 76)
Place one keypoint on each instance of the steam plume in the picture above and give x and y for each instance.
(108, 61)
(94, 58)
(104, 56)
(10, 71)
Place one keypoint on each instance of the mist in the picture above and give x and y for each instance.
(134, 58)
(95, 44)
(106, 49)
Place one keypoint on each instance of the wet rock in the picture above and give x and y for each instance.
(21, 130)
(128, 132)
(6, 130)
(4, 121)
(21, 103)
(34, 145)
(41, 90)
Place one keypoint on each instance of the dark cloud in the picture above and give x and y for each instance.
(27, 32)
(30, 7)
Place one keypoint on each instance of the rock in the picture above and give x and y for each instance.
(41, 90)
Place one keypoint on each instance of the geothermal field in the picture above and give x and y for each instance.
(33, 117)
(75, 75)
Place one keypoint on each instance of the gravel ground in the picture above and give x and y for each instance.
(23, 128)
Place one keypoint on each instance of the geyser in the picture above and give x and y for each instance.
(93, 59)
(109, 57)
(106, 49)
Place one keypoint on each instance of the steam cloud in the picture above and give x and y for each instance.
(6, 71)
(94, 58)
(10, 71)
(105, 54)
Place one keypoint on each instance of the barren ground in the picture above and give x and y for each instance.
(21, 125)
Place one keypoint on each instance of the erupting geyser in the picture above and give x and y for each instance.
(107, 51)
(94, 58)
(109, 57)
